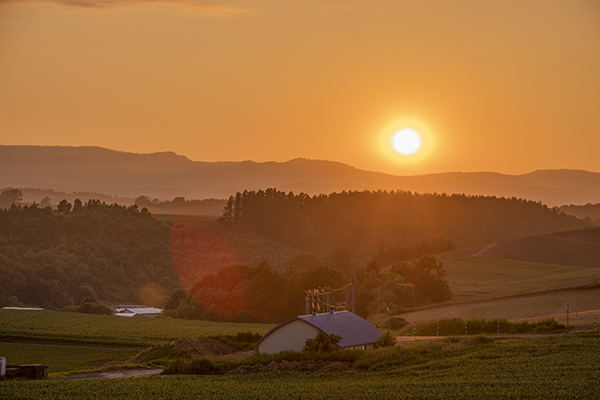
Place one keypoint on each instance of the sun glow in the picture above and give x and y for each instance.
(406, 142)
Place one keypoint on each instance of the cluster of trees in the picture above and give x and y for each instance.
(10, 196)
(145, 201)
(362, 221)
(90, 305)
(55, 258)
(589, 211)
(263, 294)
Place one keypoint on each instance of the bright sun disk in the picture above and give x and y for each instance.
(406, 141)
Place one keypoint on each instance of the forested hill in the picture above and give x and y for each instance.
(51, 258)
(123, 254)
(363, 222)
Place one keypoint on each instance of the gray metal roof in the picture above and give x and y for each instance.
(354, 330)
(140, 311)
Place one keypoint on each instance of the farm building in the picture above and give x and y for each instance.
(137, 310)
(291, 335)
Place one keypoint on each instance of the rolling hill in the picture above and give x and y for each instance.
(167, 175)
(529, 278)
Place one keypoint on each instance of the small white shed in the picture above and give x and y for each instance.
(291, 335)
(139, 311)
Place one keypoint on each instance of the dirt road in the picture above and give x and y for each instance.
(129, 373)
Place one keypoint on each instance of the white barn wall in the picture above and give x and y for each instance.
(290, 337)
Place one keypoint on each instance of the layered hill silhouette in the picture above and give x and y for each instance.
(167, 175)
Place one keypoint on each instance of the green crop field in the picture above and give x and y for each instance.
(566, 366)
(62, 358)
(476, 277)
(108, 330)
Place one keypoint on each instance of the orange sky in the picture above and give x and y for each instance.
(508, 86)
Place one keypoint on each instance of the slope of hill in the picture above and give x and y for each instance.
(576, 248)
(527, 278)
(167, 175)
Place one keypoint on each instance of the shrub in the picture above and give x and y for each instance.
(90, 305)
(322, 343)
(196, 366)
(241, 341)
(386, 340)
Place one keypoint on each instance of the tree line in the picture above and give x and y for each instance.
(364, 221)
(262, 294)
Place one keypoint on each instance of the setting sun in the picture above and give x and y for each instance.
(406, 141)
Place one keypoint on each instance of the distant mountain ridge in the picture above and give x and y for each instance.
(167, 175)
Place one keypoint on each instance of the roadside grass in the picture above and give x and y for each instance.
(62, 359)
(107, 330)
(457, 326)
(578, 320)
(563, 366)
(477, 277)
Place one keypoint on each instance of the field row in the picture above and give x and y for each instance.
(108, 330)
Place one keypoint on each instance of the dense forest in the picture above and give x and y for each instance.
(53, 258)
(364, 221)
(259, 259)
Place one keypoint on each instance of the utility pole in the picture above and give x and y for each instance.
(353, 294)
(306, 295)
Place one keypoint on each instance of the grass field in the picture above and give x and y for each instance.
(532, 306)
(62, 358)
(566, 366)
(477, 277)
(108, 330)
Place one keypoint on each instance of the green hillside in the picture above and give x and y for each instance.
(526, 278)
(580, 248)
(483, 277)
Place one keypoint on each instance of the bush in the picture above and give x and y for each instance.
(397, 322)
(196, 366)
(386, 340)
(241, 341)
(322, 343)
(90, 305)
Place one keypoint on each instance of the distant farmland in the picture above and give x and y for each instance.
(525, 279)
(533, 307)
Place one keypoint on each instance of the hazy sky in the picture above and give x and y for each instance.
(508, 86)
